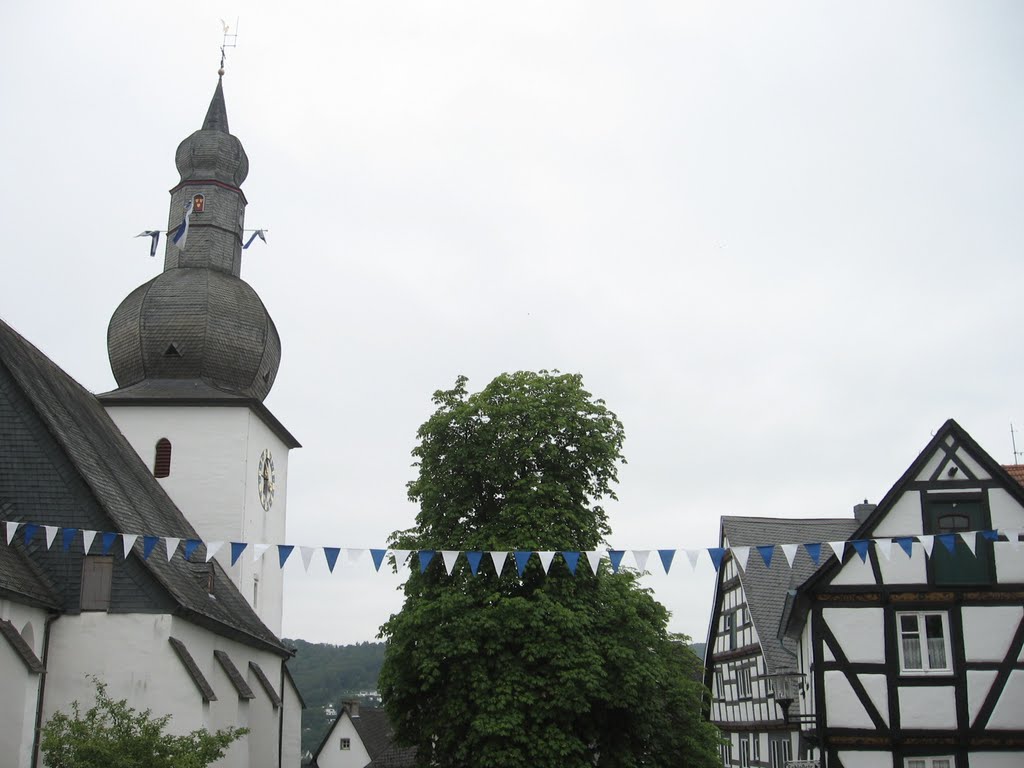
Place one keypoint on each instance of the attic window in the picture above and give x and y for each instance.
(346, 743)
(172, 351)
(96, 576)
(162, 463)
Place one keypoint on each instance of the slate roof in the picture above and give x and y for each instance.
(20, 579)
(126, 490)
(766, 588)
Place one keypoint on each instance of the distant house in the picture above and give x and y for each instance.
(362, 738)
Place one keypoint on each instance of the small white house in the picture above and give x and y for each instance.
(361, 738)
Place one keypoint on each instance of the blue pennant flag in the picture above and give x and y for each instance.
(861, 545)
(948, 541)
(148, 545)
(283, 551)
(717, 555)
(766, 551)
(30, 531)
(181, 233)
(572, 559)
(426, 555)
(474, 559)
(990, 535)
(331, 554)
(522, 558)
(378, 557)
(155, 235)
(814, 552)
(261, 234)
(237, 548)
(906, 544)
(191, 545)
(108, 542)
(666, 556)
(615, 555)
(66, 537)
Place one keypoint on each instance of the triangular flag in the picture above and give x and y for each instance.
(284, 551)
(641, 556)
(615, 555)
(378, 557)
(172, 546)
(258, 550)
(148, 545)
(331, 556)
(989, 535)
(884, 548)
(67, 536)
(813, 552)
(906, 544)
(51, 534)
(30, 532)
(474, 557)
(861, 548)
(927, 544)
(741, 555)
(594, 558)
(789, 550)
(522, 557)
(191, 545)
(354, 554)
(572, 559)
(766, 551)
(108, 540)
(545, 559)
(693, 555)
(127, 542)
(449, 556)
(237, 548)
(87, 539)
(948, 540)
(307, 556)
(425, 556)
(1012, 536)
(11, 528)
(839, 547)
(971, 540)
(717, 554)
(212, 548)
(499, 559)
(666, 555)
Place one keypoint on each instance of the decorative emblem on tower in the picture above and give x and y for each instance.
(265, 479)
(198, 203)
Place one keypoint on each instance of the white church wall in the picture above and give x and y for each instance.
(17, 708)
(291, 722)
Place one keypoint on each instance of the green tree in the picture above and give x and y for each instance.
(113, 735)
(550, 669)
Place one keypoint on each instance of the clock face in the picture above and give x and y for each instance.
(265, 479)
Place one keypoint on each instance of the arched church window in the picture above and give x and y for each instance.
(162, 464)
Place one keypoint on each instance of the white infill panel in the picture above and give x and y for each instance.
(859, 631)
(989, 630)
(1009, 711)
(855, 571)
(928, 707)
(933, 463)
(868, 760)
(978, 684)
(875, 686)
(843, 706)
(903, 519)
(1006, 512)
(1009, 563)
(900, 569)
(826, 654)
(995, 760)
(966, 460)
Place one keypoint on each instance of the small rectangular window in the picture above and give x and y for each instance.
(744, 689)
(780, 751)
(744, 753)
(719, 685)
(729, 629)
(924, 642)
(946, 761)
(346, 743)
(96, 576)
(755, 747)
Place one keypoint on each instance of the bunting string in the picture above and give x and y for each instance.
(145, 545)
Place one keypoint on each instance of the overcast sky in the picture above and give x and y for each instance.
(782, 240)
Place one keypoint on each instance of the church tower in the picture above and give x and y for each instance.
(194, 353)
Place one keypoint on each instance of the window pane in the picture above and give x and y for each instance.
(908, 623)
(936, 642)
(915, 764)
(911, 653)
(942, 762)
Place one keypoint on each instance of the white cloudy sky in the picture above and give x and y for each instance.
(783, 240)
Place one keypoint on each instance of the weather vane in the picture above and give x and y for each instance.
(230, 41)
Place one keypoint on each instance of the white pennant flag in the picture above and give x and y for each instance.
(884, 548)
(641, 555)
(127, 542)
(11, 528)
(970, 538)
(1013, 536)
(212, 548)
(545, 559)
(258, 550)
(789, 550)
(693, 554)
(741, 555)
(51, 534)
(401, 556)
(499, 559)
(594, 558)
(927, 542)
(307, 556)
(87, 537)
(449, 556)
(839, 547)
(354, 554)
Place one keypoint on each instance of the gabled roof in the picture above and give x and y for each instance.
(374, 730)
(766, 588)
(22, 580)
(125, 489)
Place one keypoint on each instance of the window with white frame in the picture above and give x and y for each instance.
(727, 755)
(744, 753)
(743, 687)
(946, 761)
(719, 685)
(755, 748)
(729, 629)
(779, 751)
(924, 642)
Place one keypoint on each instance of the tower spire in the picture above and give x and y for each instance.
(217, 114)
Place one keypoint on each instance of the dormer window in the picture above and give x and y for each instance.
(162, 462)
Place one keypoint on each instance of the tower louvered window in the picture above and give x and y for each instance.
(162, 463)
